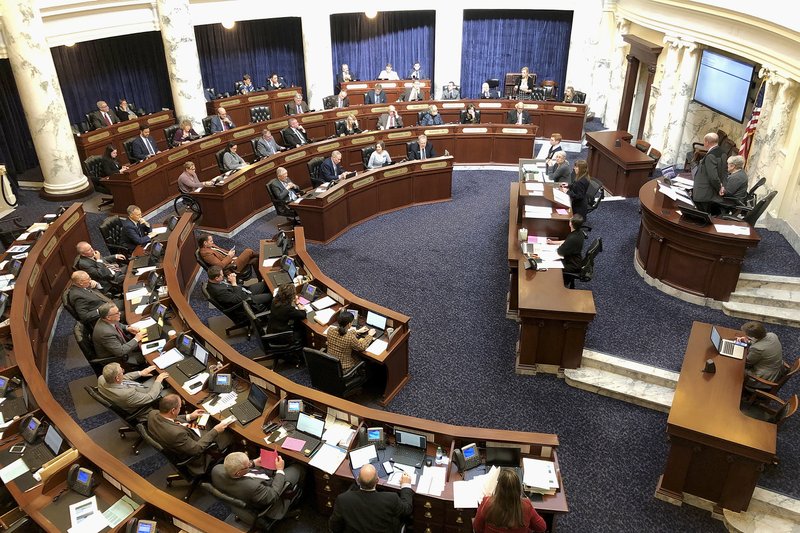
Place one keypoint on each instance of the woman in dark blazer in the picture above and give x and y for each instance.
(560, 171)
(350, 126)
(184, 134)
(110, 164)
(285, 315)
(577, 189)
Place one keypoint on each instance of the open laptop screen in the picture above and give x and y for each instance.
(716, 338)
(258, 397)
(410, 439)
(310, 425)
(53, 439)
(200, 353)
(375, 320)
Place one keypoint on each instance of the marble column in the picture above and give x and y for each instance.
(318, 56)
(42, 100)
(661, 107)
(183, 64)
(447, 56)
(676, 147)
(762, 151)
(617, 68)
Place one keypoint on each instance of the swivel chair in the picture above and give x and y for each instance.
(111, 230)
(235, 313)
(751, 215)
(169, 134)
(366, 153)
(594, 194)
(329, 102)
(753, 383)
(130, 418)
(184, 203)
(260, 113)
(276, 346)
(94, 168)
(313, 171)
(327, 374)
(207, 124)
(282, 209)
(219, 154)
(462, 116)
(84, 340)
(587, 266)
(127, 144)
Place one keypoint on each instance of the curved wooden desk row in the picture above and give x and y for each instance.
(95, 142)
(431, 513)
(553, 319)
(394, 89)
(238, 106)
(374, 192)
(150, 183)
(35, 306)
(695, 259)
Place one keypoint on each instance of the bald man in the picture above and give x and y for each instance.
(104, 270)
(710, 175)
(365, 510)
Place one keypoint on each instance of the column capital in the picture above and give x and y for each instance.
(623, 26)
(672, 41)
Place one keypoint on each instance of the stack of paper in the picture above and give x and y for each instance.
(226, 401)
(323, 303)
(432, 480)
(534, 211)
(539, 476)
(168, 358)
(683, 183)
(562, 198)
(730, 229)
(377, 347)
(324, 316)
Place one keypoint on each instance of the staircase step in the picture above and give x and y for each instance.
(763, 313)
(628, 368)
(775, 503)
(755, 522)
(755, 281)
(768, 296)
(620, 387)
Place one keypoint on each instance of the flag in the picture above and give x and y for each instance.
(750, 129)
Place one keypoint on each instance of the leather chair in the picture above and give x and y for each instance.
(218, 155)
(313, 171)
(127, 144)
(253, 143)
(260, 113)
(642, 145)
(537, 93)
(752, 384)
(340, 128)
(366, 153)
(457, 87)
(462, 116)
(587, 267)
(84, 340)
(237, 87)
(276, 346)
(327, 375)
(329, 102)
(654, 154)
(235, 313)
(130, 418)
(94, 168)
(594, 194)
(111, 230)
(88, 118)
(242, 511)
(420, 116)
(286, 109)
(579, 98)
(207, 124)
(750, 199)
(751, 215)
(10, 229)
(779, 415)
(67, 305)
(184, 203)
(550, 89)
(410, 144)
(169, 134)
(698, 151)
(282, 209)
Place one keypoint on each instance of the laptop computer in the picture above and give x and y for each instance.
(726, 347)
(277, 248)
(409, 448)
(191, 366)
(378, 322)
(503, 457)
(38, 454)
(308, 429)
(150, 283)
(163, 237)
(248, 411)
(12, 407)
(156, 251)
(286, 274)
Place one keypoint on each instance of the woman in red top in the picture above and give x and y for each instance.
(507, 511)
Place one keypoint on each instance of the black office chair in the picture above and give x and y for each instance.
(537, 93)
(67, 305)
(111, 230)
(409, 145)
(366, 153)
(237, 87)
(276, 346)
(579, 98)
(444, 88)
(462, 116)
(10, 229)
(587, 267)
(235, 313)
(286, 108)
(339, 128)
(750, 199)
(329, 102)
(260, 113)
(594, 194)
(94, 168)
(313, 171)
(127, 145)
(420, 116)
(169, 134)
(84, 340)
(282, 209)
(327, 375)
(219, 155)
(207, 124)
(184, 203)
(751, 215)
(130, 418)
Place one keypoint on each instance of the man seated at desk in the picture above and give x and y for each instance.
(343, 339)
(283, 189)
(388, 73)
(171, 429)
(135, 229)
(215, 256)
(764, 355)
(124, 112)
(331, 169)
(416, 72)
(422, 149)
(188, 182)
(365, 510)
(245, 479)
(390, 120)
(85, 297)
(103, 117)
(432, 117)
(221, 122)
(571, 248)
(112, 338)
(735, 188)
(342, 100)
(298, 106)
(266, 145)
(518, 115)
(125, 392)
(143, 146)
(224, 290)
(375, 96)
(451, 92)
(413, 93)
(104, 270)
(275, 82)
(294, 135)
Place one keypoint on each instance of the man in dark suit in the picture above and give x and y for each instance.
(282, 188)
(375, 96)
(365, 510)
(331, 169)
(555, 146)
(103, 117)
(86, 298)
(710, 175)
(342, 100)
(416, 72)
(275, 82)
(260, 488)
(451, 92)
(104, 270)
(266, 145)
(422, 149)
(390, 120)
(171, 429)
(414, 93)
(135, 229)
(486, 92)
(298, 106)
(124, 112)
(112, 338)
(224, 290)
(294, 134)
(344, 76)
(221, 121)
(518, 115)
(143, 146)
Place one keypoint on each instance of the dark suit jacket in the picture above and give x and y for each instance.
(493, 93)
(419, 75)
(100, 271)
(271, 87)
(512, 117)
(328, 171)
(139, 148)
(292, 139)
(340, 79)
(108, 343)
(227, 295)
(384, 119)
(293, 107)
(562, 173)
(421, 94)
(97, 119)
(372, 98)
(710, 176)
(415, 154)
(345, 103)
(123, 115)
(280, 317)
(454, 95)
(133, 234)
(577, 193)
(110, 166)
(279, 192)
(216, 124)
(179, 439)
(260, 493)
(360, 511)
(86, 302)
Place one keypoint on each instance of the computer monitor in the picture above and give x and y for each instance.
(200, 353)
(406, 438)
(503, 456)
(376, 321)
(152, 280)
(310, 425)
(288, 265)
(309, 292)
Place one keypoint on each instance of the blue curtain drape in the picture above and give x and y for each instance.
(399, 38)
(16, 145)
(128, 66)
(500, 41)
(255, 47)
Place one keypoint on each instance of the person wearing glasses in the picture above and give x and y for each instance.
(112, 338)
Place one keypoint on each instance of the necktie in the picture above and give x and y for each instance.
(108, 119)
(149, 146)
(391, 121)
(422, 153)
(519, 117)
(224, 125)
(298, 109)
(119, 332)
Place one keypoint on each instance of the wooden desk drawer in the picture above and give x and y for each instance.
(459, 518)
(428, 509)
(324, 503)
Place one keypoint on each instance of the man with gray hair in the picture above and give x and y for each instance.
(709, 176)
(124, 391)
(103, 117)
(331, 169)
(249, 481)
(112, 338)
(736, 185)
(135, 229)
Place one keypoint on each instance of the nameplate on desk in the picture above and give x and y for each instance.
(178, 155)
(440, 131)
(387, 85)
(258, 98)
(437, 164)
(453, 105)
(530, 106)
(233, 101)
(144, 171)
(159, 118)
(417, 107)
(244, 133)
(312, 118)
(295, 156)
(383, 109)
(235, 183)
(365, 181)
(359, 139)
(357, 86)
(49, 246)
(343, 114)
(335, 196)
(128, 127)
(26, 310)
(568, 108)
(474, 130)
(485, 105)
(283, 94)
(265, 167)
(100, 136)
(411, 84)
(34, 275)
(328, 147)
(516, 131)
(400, 134)
(395, 172)
(278, 125)
(212, 142)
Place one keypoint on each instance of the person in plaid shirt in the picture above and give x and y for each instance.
(342, 340)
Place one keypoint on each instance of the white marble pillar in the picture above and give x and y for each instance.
(183, 64)
(616, 80)
(761, 152)
(676, 147)
(660, 114)
(318, 56)
(42, 100)
(447, 56)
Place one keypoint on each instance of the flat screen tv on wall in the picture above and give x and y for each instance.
(723, 84)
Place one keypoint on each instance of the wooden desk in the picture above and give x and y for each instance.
(372, 193)
(695, 259)
(553, 319)
(623, 169)
(716, 451)
(95, 142)
(238, 106)
(394, 89)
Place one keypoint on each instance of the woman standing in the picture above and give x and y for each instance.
(506, 511)
(577, 190)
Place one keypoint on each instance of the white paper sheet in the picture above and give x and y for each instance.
(168, 358)
(13, 470)
(328, 458)
(377, 347)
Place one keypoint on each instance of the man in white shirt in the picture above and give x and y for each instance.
(388, 74)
